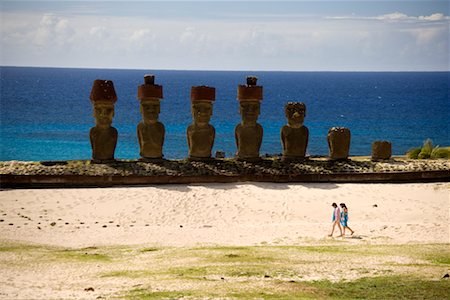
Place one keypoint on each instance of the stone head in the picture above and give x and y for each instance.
(295, 113)
(103, 114)
(201, 112)
(150, 110)
(249, 111)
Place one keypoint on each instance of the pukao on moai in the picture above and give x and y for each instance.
(294, 135)
(249, 133)
(339, 143)
(201, 134)
(103, 137)
(150, 131)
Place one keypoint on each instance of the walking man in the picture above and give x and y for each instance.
(336, 219)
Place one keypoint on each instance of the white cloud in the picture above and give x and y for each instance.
(99, 32)
(434, 17)
(142, 35)
(54, 31)
(395, 16)
(388, 42)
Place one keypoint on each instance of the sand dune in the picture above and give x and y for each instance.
(225, 214)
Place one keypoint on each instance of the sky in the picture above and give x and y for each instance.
(407, 35)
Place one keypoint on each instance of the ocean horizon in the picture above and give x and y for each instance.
(46, 113)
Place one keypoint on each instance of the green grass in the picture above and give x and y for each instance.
(18, 248)
(145, 294)
(382, 287)
(83, 256)
(129, 274)
(385, 287)
(254, 272)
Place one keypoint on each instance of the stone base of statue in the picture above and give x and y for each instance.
(339, 143)
(381, 150)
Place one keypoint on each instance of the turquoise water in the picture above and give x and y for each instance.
(46, 113)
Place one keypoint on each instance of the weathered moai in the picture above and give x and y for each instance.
(103, 137)
(201, 134)
(150, 131)
(249, 133)
(339, 143)
(294, 135)
(381, 150)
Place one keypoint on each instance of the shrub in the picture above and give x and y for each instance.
(413, 153)
(440, 153)
(428, 151)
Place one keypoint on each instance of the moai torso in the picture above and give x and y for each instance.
(200, 134)
(295, 141)
(103, 143)
(248, 140)
(150, 131)
(151, 139)
(200, 141)
(339, 142)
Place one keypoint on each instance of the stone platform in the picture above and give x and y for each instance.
(84, 173)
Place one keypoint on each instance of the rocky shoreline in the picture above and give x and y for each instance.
(222, 167)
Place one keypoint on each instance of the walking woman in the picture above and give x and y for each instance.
(344, 218)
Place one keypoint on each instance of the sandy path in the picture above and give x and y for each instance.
(225, 214)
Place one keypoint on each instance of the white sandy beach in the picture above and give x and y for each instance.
(225, 214)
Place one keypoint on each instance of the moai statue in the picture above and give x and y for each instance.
(339, 143)
(150, 131)
(249, 133)
(201, 134)
(294, 136)
(103, 137)
(381, 150)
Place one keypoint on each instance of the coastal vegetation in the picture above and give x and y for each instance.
(248, 272)
(428, 151)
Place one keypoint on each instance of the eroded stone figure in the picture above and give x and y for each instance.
(201, 134)
(150, 131)
(339, 143)
(103, 136)
(249, 132)
(381, 150)
(294, 135)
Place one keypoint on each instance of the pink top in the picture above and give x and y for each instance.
(337, 214)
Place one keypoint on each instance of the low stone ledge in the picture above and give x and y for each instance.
(62, 181)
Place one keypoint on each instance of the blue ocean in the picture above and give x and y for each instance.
(46, 113)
